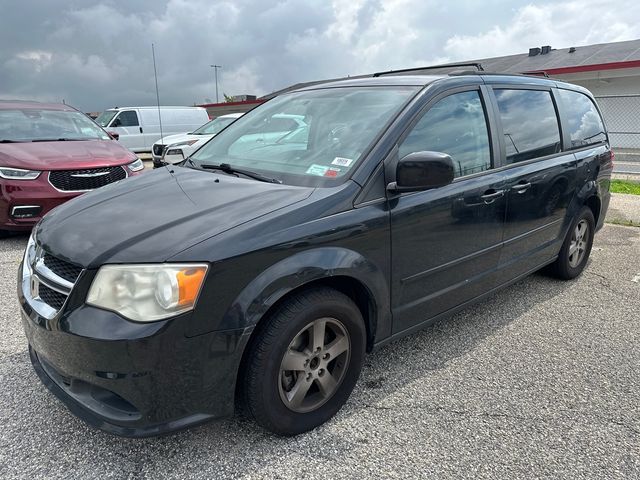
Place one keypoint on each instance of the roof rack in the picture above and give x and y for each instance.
(526, 74)
(537, 72)
(432, 67)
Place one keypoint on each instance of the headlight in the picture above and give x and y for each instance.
(18, 174)
(29, 252)
(146, 293)
(136, 166)
(183, 144)
(173, 152)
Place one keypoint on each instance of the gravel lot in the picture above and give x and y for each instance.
(541, 380)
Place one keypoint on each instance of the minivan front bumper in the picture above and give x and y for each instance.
(129, 379)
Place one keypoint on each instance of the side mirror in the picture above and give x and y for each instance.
(422, 171)
(114, 135)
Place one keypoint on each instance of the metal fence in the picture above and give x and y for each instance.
(622, 116)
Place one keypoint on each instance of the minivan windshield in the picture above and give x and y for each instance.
(306, 138)
(33, 125)
(105, 117)
(214, 126)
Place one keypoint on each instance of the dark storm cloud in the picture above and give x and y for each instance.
(98, 54)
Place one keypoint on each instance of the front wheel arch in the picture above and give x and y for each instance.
(351, 287)
(268, 402)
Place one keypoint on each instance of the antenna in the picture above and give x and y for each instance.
(155, 72)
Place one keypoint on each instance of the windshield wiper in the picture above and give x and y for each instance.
(11, 141)
(226, 168)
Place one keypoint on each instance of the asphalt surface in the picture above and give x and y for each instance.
(540, 381)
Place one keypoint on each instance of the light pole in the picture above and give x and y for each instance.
(215, 68)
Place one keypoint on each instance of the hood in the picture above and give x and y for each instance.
(70, 155)
(151, 217)
(181, 137)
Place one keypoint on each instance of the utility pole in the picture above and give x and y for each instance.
(215, 68)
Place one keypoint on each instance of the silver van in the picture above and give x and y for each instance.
(138, 128)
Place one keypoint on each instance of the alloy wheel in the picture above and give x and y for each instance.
(579, 242)
(314, 365)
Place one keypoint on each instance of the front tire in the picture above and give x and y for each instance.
(305, 361)
(576, 248)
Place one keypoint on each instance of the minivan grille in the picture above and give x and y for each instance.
(157, 150)
(63, 269)
(47, 281)
(51, 297)
(90, 179)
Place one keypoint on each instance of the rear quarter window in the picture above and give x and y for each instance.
(584, 124)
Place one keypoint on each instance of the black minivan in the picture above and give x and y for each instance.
(260, 271)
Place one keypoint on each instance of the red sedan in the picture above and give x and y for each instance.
(51, 153)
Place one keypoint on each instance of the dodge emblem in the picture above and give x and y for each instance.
(35, 287)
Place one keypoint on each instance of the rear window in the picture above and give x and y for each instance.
(529, 122)
(584, 122)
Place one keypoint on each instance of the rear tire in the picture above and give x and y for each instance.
(304, 361)
(574, 254)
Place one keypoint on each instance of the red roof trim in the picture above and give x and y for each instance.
(230, 104)
(589, 68)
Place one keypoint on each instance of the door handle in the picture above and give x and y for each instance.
(140, 129)
(521, 187)
(490, 196)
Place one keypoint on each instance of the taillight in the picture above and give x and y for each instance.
(612, 156)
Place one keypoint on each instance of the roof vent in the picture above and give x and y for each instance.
(546, 49)
(534, 51)
(572, 49)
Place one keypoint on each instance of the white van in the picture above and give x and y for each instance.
(139, 127)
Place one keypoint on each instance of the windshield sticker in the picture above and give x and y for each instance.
(318, 170)
(343, 162)
(332, 172)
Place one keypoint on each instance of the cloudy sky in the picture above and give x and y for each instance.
(97, 54)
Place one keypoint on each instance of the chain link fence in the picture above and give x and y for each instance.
(622, 116)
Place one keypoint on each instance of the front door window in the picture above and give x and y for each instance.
(128, 118)
(456, 126)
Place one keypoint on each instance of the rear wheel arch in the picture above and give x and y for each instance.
(593, 202)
